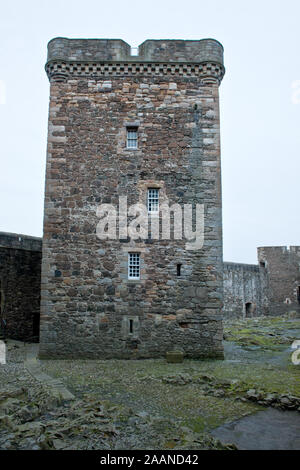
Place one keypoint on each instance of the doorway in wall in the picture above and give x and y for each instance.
(249, 309)
(36, 325)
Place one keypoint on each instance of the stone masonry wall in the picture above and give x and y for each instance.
(88, 305)
(283, 268)
(20, 279)
(245, 290)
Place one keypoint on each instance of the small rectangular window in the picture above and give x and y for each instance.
(133, 265)
(130, 326)
(178, 269)
(153, 200)
(132, 137)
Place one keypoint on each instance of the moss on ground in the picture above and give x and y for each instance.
(207, 392)
(269, 333)
(151, 404)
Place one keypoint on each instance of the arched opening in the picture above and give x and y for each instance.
(249, 309)
(36, 325)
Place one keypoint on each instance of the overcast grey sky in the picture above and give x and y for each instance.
(260, 103)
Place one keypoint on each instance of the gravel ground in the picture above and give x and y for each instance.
(32, 418)
(149, 404)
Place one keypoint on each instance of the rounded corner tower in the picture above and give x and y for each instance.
(126, 130)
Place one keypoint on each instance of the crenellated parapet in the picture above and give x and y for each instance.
(112, 57)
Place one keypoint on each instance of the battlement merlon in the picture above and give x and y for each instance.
(112, 57)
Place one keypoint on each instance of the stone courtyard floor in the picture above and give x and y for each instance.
(150, 404)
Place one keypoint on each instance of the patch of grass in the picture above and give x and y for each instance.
(138, 386)
(269, 333)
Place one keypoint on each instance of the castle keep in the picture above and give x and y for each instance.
(123, 130)
(147, 128)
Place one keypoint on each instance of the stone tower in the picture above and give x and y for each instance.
(282, 265)
(145, 128)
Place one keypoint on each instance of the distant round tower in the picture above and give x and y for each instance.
(125, 130)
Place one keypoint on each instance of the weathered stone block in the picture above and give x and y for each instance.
(174, 356)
